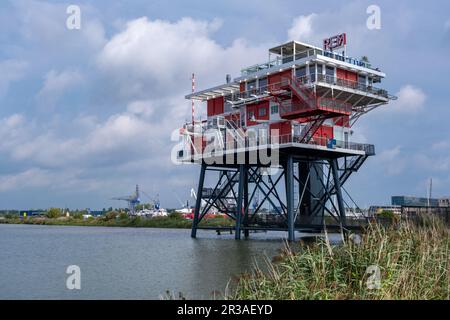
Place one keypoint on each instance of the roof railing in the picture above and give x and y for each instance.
(249, 141)
(280, 60)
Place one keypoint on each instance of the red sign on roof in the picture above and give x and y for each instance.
(335, 42)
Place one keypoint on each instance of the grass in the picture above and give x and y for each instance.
(413, 259)
(137, 222)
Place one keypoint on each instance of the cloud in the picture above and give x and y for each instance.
(302, 27)
(56, 84)
(392, 161)
(43, 24)
(447, 25)
(152, 59)
(411, 100)
(10, 71)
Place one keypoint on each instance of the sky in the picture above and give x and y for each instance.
(86, 114)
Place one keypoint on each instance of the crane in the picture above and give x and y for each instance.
(132, 200)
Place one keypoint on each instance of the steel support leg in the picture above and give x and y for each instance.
(290, 197)
(337, 184)
(237, 234)
(246, 207)
(198, 201)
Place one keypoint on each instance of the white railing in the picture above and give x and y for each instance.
(196, 143)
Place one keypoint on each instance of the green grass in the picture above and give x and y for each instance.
(413, 260)
(172, 221)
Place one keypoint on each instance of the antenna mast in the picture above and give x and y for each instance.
(192, 100)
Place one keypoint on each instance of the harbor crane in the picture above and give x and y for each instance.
(132, 200)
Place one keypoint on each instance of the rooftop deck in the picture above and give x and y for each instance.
(281, 60)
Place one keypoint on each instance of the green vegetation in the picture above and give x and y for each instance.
(53, 213)
(413, 259)
(115, 219)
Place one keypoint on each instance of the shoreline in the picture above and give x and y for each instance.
(135, 222)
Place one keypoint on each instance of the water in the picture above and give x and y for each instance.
(124, 263)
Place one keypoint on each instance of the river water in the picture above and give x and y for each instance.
(124, 263)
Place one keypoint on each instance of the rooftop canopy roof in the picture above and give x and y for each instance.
(287, 49)
(222, 90)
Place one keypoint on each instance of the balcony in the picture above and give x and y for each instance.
(352, 85)
(280, 60)
(196, 144)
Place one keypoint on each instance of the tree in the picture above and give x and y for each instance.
(365, 59)
(53, 213)
(111, 215)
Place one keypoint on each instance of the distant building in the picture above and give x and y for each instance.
(374, 210)
(444, 202)
(413, 201)
(32, 213)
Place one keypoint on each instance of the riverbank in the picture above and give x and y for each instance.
(172, 221)
(410, 260)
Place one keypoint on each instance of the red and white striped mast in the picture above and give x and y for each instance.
(192, 100)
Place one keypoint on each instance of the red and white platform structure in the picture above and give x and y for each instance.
(280, 135)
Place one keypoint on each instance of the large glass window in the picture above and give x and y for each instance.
(329, 71)
(319, 72)
(312, 72)
(263, 83)
(251, 85)
(362, 80)
(300, 72)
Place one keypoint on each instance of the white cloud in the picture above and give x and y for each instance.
(155, 58)
(411, 100)
(302, 28)
(392, 161)
(56, 84)
(10, 71)
(44, 24)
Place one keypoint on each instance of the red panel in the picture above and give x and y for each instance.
(263, 105)
(210, 107)
(281, 129)
(327, 132)
(346, 75)
(218, 105)
(276, 77)
(352, 76)
(342, 121)
(242, 86)
(341, 74)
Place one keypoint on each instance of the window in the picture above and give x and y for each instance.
(300, 72)
(312, 72)
(262, 112)
(319, 72)
(263, 83)
(362, 80)
(329, 71)
(274, 109)
(250, 115)
(251, 85)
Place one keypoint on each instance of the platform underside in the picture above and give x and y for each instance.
(275, 154)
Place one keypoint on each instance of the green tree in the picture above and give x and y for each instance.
(53, 213)
(111, 215)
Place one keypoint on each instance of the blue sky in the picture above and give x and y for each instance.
(87, 114)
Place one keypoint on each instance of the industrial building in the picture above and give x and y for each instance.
(281, 133)
(410, 201)
(444, 202)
